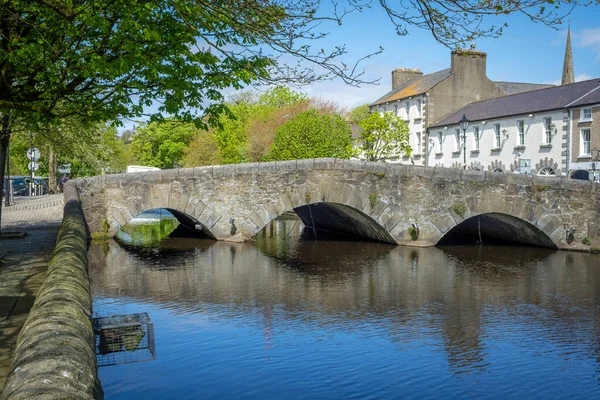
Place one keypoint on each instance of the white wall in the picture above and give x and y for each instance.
(509, 151)
(415, 120)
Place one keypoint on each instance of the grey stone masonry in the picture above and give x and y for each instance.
(55, 356)
(410, 205)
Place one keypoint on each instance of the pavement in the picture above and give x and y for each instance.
(23, 264)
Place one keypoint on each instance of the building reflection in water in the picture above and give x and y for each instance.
(459, 297)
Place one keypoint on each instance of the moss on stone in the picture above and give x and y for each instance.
(460, 209)
(307, 197)
(414, 233)
(586, 240)
(373, 200)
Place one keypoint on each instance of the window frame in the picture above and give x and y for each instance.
(547, 139)
(583, 118)
(476, 136)
(582, 152)
(440, 142)
(521, 132)
(419, 110)
(457, 142)
(419, 144)
(407, 108)
(497, 137)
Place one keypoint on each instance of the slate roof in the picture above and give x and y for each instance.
(520, 87)
(554, 98)
(414, 86)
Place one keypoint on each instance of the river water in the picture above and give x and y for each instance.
(286, 318)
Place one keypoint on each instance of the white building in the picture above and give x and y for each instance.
(527, 133)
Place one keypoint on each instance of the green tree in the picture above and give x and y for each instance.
(310, 135)
(163, 144)
(203, 150)
(384, 136)
(357, 114)
(107, 59)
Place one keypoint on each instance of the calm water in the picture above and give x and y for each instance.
(291, 319)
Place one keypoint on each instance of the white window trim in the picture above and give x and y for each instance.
(476, 137)
(582, 117)
(581, 141)
(521, 135)
(440, 142)
(457, 140)
(497, 136)
(547, 139)
(407, 109)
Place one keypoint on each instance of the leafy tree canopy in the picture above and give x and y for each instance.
(357, 114)
(310, 135)
(163, 144)
(384, 136)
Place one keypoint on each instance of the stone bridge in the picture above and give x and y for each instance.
(390, 203)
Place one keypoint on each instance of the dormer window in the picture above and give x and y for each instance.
(586, 115)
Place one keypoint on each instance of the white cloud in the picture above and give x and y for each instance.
(583, 77)
(589, 38)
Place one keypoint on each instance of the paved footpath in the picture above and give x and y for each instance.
(23, 265)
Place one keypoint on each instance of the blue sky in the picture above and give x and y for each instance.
(526, 52)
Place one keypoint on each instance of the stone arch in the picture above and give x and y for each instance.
(191, 223)
(497, 166)
(476, 166)
(546, 165)
(343, 220)
(498, 227)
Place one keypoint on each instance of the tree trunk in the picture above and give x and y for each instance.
(4, 138)
(52, 171)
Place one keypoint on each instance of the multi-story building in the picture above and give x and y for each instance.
(421, 100)
(525, 133)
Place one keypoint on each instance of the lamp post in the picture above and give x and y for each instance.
(594, 153)
(464, 124)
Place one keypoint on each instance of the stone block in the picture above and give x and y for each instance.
(287, 166)
(324, 163)
(159, 195)
(472, 175)
(257, 220)
(223, 171)
(307, 164)
(198, 210)
(354, 165)
(393, 221)
(286, 202)
(183, 200)
(247, 169)
(444, 222)
(496, 178)
(459, 211)
(203, 173)
(548, 224)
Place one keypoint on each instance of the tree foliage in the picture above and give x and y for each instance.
(310, 135)
(357, 114)
(384, 136)
(203, 150)
(163, 144)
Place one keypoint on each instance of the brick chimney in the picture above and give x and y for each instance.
(401, 75)
(467, 64)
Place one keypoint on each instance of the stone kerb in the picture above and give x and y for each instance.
(55, 355)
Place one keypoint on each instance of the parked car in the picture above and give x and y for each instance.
(42, 181)
(141, 168)
(19, 185)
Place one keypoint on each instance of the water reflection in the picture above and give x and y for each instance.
(504, 311)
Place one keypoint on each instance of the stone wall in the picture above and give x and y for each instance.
(55, 355)
(233, 202)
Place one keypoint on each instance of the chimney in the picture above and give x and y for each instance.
(468, 64)
(401, 75)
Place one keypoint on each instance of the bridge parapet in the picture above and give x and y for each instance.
(414, 205)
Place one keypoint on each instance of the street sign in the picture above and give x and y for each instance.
(33, 154)
(64, 168)
(33, 166)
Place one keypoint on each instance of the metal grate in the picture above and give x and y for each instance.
(123, 339)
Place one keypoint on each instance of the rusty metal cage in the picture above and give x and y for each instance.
(124, 339)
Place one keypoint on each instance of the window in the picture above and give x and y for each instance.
(586, 115)
(407, 108)
(585, 142)
(497, 135)
(418, 142)
(524, 166)
(395, 109)
(546, 171)
(440, 141)
(547, 130)
(457, 136)
(521, 130)
(476, 136)
(384, 109)
(419, 111)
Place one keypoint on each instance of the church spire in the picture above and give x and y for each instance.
(568, 75)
